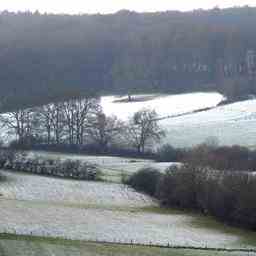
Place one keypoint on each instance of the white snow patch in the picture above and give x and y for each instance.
(164, 105)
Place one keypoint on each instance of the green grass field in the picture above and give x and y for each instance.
(11, 245)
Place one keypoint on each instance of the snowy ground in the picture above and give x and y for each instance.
(165, 105)
(108, 225)
(81, 210)
(230, 124)
(81, 193)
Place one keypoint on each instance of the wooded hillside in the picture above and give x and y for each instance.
(44, 57)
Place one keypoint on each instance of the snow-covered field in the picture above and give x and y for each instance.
(81, 193)
(165, 105)
(82, 210)
(108, 225)
(230, 124)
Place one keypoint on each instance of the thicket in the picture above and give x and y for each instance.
(229, 158)
(229, 196)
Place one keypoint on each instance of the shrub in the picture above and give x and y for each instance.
(235, 158)
(167, 153)
(227, 195)
(177, 187)
(145, 180)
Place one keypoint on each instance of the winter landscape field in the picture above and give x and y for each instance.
(165, 105)
(128, 128)
(104, 212)
(229, 124)
(53, 216)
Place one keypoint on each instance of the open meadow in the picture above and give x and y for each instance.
(105, 212)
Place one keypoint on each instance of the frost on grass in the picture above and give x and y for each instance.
(164, 105)
(21, 248)
(106, 225)
(230, 124)
(49, 207)
(38, 188)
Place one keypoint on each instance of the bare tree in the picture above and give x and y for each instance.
(18, 123)
(77, 114)
(105, 129)
(143, 128)
(57, 121)
(45, 126)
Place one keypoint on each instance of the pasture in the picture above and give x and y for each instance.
(109, 212)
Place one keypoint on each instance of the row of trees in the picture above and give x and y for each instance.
(80, 122)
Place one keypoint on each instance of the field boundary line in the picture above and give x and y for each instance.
(11, 236)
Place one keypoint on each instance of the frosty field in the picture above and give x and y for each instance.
(79, 210)
(230, 124)
(165, 105)
(43, 189)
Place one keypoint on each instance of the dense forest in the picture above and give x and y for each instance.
(44, 57)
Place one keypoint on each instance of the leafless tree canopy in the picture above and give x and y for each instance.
(143, 129)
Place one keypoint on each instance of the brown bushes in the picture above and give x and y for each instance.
(222, 158)
(230, 196)
(216, 157)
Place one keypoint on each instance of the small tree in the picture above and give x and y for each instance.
(143, 128)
